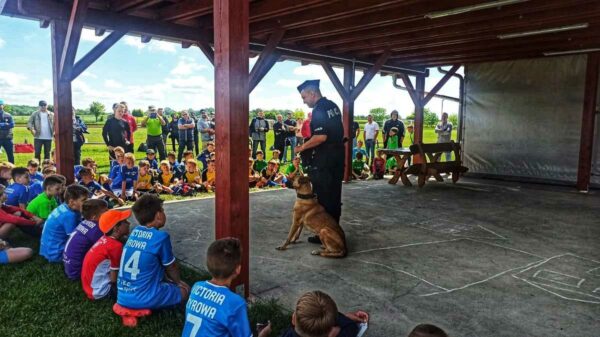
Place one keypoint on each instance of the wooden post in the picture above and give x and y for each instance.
(63, 105)
(584, 171)
(420, 94)
(348, 119)
(231, 110)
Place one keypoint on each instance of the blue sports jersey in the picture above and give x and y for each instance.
(35, 189)
(215, 311)
(145, 255)
(115, 176)
(57, 228)
(153, 163)
(129, 175)
(92, 187)
(36, 177)
(16, 193)
(76, 171)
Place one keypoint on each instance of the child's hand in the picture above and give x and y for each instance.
(265, 331)
(17, 213)
(4, 244)
(120, 202)
(37, 220)
(358, 316)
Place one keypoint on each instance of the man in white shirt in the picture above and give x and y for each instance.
(41, 125)
(444, 132)
(370, 137)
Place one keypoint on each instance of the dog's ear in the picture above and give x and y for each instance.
(303, 180)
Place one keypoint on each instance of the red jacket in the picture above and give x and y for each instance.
(6, 216)
(132, 124)
(305, 130)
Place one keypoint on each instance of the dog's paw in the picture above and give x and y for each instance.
(281, 248)
(296, 241)
(315, 252)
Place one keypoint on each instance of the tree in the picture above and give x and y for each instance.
(168, 111)
(97, 109)
(378, 114)
(137, 113)
(299, 113)
(453, 119)
(430, 118)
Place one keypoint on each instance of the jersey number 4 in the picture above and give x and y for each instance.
(131, 266)
(196, 323)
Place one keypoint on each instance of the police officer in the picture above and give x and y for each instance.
(326, 145)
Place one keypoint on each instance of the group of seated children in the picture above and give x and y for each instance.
(380, 165)
(266, 174)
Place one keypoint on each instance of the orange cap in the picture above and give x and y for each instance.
(109, 219)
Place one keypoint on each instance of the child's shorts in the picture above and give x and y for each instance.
(168, 295)
(3, 257)
(118, 192)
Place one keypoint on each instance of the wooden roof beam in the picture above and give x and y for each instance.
(339, 87)
(369, 74)
(266, 60)
(186, 10)
(122, 5)
(69, 51)
(440, 84)
(95, 53)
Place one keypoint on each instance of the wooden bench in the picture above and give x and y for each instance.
(426, 162)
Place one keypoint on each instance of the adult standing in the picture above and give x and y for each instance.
(299, 125)
(154, 123)
(186, 134)
(290, 136)
(370, 137)
(326, 169)
(196, 133)
(444, 132)
(128, 117)
(174, 130)
(258, 132)
(6, 132)
(41, 125)
(79, 128)
(355, 133)
(116, 131)
(165, 127)
(207, 133)
(393, 122)
(279, 131)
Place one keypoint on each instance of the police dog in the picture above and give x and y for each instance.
(310, 214)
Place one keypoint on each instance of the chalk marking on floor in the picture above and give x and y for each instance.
(458, 233)
(509, 248)
(539, 285)
(596, 290)
(400, 271)
(536, 275)
(591, 271)
(491, 231)
(406, 245)
(479, 282)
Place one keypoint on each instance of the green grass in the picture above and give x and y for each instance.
(37, 300)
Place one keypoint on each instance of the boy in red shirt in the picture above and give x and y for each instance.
(12, 216)
(101, 263)
(378, 166)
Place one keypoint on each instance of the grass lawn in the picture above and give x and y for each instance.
(37, 300)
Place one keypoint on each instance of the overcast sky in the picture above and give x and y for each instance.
(163, 74)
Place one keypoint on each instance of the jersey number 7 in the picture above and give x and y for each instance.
(196, 323)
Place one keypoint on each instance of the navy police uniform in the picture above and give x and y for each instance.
(326, 168)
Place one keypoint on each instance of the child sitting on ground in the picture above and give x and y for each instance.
(128, 175)
(213, 309)
(293, 170)
(114, 176)
(379, 165)
(147, 256)
(253, 176)
(209, 176)
(83, 237)
(359, 149)
(88, 163)
(101, 263)
(13, 255)
(178, 169)
(204, 156)
(6, 173)
(166, 178)
(61, 223)
(119, 152)
(42, 205)
(191, 176)
(271, 176)
(260, 163)
(145, 180)
(96, 189)
(18, 193)
(48, 163)
(316, 315)
(34, 175)
(12, 216)
(275, 154)
(427, 330)
(360, 169)
(151, 158)
(37, 187)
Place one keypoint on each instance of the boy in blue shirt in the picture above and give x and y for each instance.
(129, 176)
(18, 192)
(151, 158)
(96, 190)
(37, 187)
(213, 310)
(146, 257)
(34, 174)
(61, 223)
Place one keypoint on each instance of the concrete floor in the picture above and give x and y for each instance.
(479, 258)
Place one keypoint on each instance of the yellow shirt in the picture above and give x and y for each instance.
(191, 177)
(144, 182)
(166, 178)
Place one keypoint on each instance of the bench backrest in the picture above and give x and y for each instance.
(426, 151)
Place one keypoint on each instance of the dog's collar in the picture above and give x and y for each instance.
(305, 196)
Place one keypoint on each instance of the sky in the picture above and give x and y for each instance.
(164, 74)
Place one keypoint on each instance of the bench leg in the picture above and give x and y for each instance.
(455, 176)
(422, 179)
(405, 179)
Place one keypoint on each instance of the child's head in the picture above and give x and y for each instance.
(213, 155)
(188, 155)
(86, 175)
(393, 131)
(148, 211)
(272, 165)
(427, 330)
(191, 165)
(75, 196)
(89, 163)
(259, 155)
(150, 154)
(410, 128)
(48, 171)
(171, 156)
(52, 185)
(210, 146)
(212, 164)
(48, 163)
(6, 170)
(129, 159)
(93, 208)
(359, 156)
(144, 167)
(20, 175)
(224, 258)
(359, 143)
(379, 153)
(33, 166)
(296, 161)
(114, 223)
(315, 314)
(165, 167)
(276, 154)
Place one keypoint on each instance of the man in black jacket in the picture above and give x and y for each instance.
(391, 123)
(116, 131)
(6, 132)
(258, 131)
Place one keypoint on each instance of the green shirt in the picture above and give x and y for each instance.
(357, 166)
(392, 142)
(259, 165)
(291, 168)
(154, 127)
(42, 205)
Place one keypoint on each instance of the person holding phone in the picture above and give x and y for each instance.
(154, 122)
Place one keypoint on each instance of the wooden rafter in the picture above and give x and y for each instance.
(440, 84)
(266, 60)
(368, 76)
(342, 90)
(95, 53)
(76, 20)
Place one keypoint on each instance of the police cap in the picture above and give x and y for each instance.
(309, 83)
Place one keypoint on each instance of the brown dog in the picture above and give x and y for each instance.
(310, 214)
